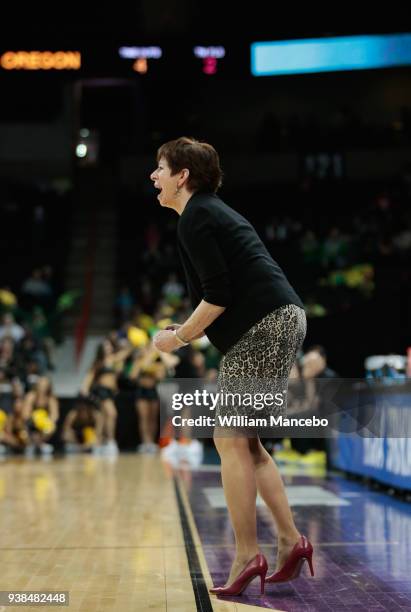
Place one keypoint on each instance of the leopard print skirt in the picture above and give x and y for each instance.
(260, 363)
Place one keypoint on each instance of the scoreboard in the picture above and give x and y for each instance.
(167, 60)
(182, 59)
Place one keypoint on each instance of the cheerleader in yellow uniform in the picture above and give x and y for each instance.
(16, 434)
(149, 368)
(83, 427)
(42, 411)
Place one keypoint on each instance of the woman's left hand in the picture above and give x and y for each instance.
(165, 341)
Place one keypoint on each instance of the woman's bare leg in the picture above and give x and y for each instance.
(109, 411)
(238, 476)
(271, 488)
(144, 424)
(154, 410)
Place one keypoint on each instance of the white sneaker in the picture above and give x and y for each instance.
(71, 447)
(30, 450)
(110, 448)
(47, 449)
(171, 453)
(152, 448)
(194, 453)
(147, 447)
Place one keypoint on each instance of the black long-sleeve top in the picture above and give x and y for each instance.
(227, 264)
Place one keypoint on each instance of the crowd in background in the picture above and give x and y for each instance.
(29, 330)
(32, 305)
(332, 127)
(339, 244)
(342, 126)
(340, 247)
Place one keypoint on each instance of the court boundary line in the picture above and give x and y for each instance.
(198, 581)
(218, 605)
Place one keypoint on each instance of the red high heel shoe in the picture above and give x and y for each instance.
(256, 567)
(302, 551)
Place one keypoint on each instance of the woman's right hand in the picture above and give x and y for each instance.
(177, 325)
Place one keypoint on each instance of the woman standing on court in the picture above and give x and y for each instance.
(244, 304)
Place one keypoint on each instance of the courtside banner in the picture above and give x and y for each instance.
(271, 408)
(388, 460)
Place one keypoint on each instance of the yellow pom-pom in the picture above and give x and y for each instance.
(162, 324)
(7, 298)
(42, 421)
(167, 310)
(3, 419)
(137, 337)
(144, 321)
(89, 435)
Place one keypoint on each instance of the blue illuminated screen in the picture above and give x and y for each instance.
(330, 54)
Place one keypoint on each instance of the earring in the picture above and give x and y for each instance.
(177, 191)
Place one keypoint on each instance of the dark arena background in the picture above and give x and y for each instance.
(105, 502)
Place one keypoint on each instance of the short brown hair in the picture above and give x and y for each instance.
(200, 158)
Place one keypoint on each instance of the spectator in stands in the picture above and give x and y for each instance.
(6, 404)
(402, 240)
(10, 329)
(10, 387)
(198, 361)
(172, 290)
(31, 374)
(270, 230)
(42, 411)
(6, 352)
(8, 300)
(124, 305)
(313, 308)
(30, 358)
(40, 327)
(335, 249)
(146, 294)
(313, 366)
(36, 285)
(310, 247)
(47, 273)
(83, 427)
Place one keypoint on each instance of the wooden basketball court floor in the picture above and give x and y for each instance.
(130, 533)
(117, 533)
